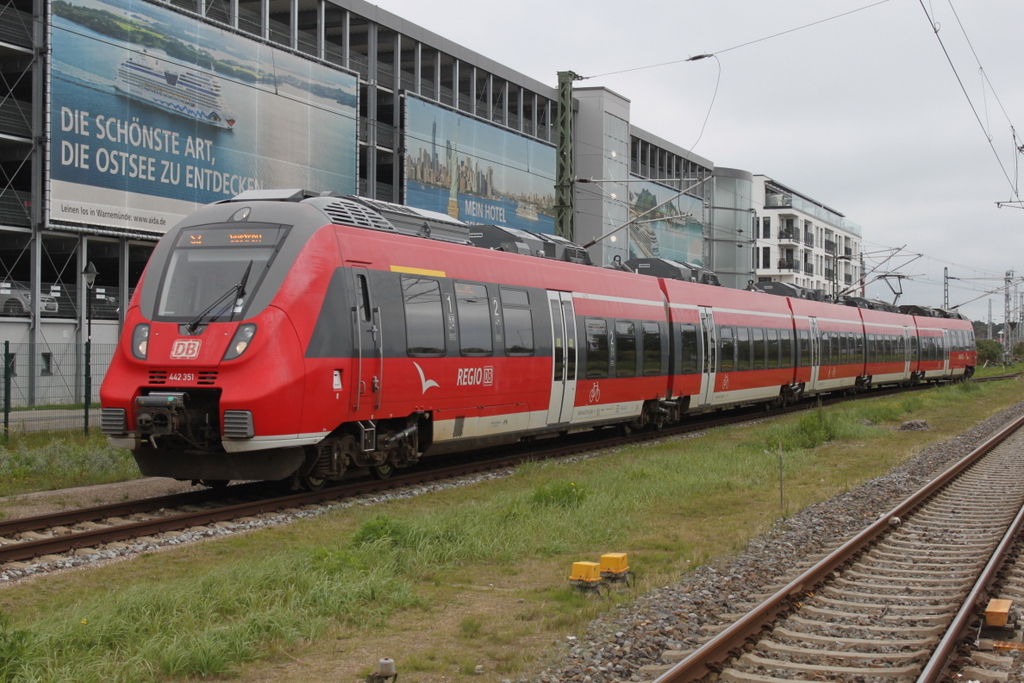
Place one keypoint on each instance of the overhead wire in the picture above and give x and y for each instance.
(963, 88)
(741, 45)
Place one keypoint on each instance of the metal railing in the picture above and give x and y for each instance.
(789, 235)
(53, 387)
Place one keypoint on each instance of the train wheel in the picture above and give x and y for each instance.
(382, 471)
(311, 483)
(215, 483)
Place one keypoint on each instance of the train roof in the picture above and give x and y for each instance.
(373, 214)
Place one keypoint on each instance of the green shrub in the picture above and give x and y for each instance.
(384, 529)
(989, 351)
(559, 494)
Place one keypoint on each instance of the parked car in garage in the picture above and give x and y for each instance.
(16, 299)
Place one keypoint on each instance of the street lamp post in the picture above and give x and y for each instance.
(89, 274)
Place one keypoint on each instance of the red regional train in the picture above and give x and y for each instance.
(287, 335)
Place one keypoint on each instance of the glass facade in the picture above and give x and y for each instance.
(732, 233)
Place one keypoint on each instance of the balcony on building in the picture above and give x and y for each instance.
(789, 234)
(775, 200)
(788, 264)
(829, 274)
(848, 279)
(809, 238)
(830, 247)
(808, 269)
(848, 251)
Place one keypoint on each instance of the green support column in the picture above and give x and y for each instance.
(565, 164)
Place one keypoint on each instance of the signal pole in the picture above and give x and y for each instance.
(1006, 316)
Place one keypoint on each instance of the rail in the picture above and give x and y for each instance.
(709, 657)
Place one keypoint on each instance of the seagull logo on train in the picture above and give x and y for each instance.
(426, 383)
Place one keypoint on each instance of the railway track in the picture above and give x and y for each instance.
(47, 538)
(893, 602)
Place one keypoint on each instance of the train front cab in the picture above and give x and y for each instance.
(208, 380)
(945, 349)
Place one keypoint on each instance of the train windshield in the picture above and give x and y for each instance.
(214, 271)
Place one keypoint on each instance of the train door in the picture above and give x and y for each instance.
(708, 356)
(906, 352)
(563, 352)
(368, 344)
(815, 354)
(947, 342)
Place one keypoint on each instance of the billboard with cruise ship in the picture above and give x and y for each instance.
(155, 113)
(475, 171)
(668, 224)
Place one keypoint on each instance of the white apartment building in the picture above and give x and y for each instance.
(803, 242)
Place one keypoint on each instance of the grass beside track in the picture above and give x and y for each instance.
(45, 461)
(474, 576)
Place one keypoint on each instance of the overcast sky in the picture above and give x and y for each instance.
(862, 113)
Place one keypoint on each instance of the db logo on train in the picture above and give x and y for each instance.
(185, 348)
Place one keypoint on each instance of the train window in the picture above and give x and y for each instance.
(424, 318)
(474, 319)
(727, 350)
(742, 348)
(514, 297)
(786, 348)
(515, 311)
(760, 353)
(688, 360)
(518, 331)
(804, 347)
(652, 349)
(825, 349)
(363, 292)
(842, 346)
(625, 348)
(598, 356)
(773, 349)
(858, 340)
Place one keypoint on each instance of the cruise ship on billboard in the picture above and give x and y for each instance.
(187, 92)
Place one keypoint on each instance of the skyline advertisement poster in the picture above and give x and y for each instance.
(154, 114)
(477, 172)
(670, 232)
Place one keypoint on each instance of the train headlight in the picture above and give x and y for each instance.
(240, 342)
(140, 341)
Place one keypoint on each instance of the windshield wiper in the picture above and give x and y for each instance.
(238, 291)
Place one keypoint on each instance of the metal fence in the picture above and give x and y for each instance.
(53, 387)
